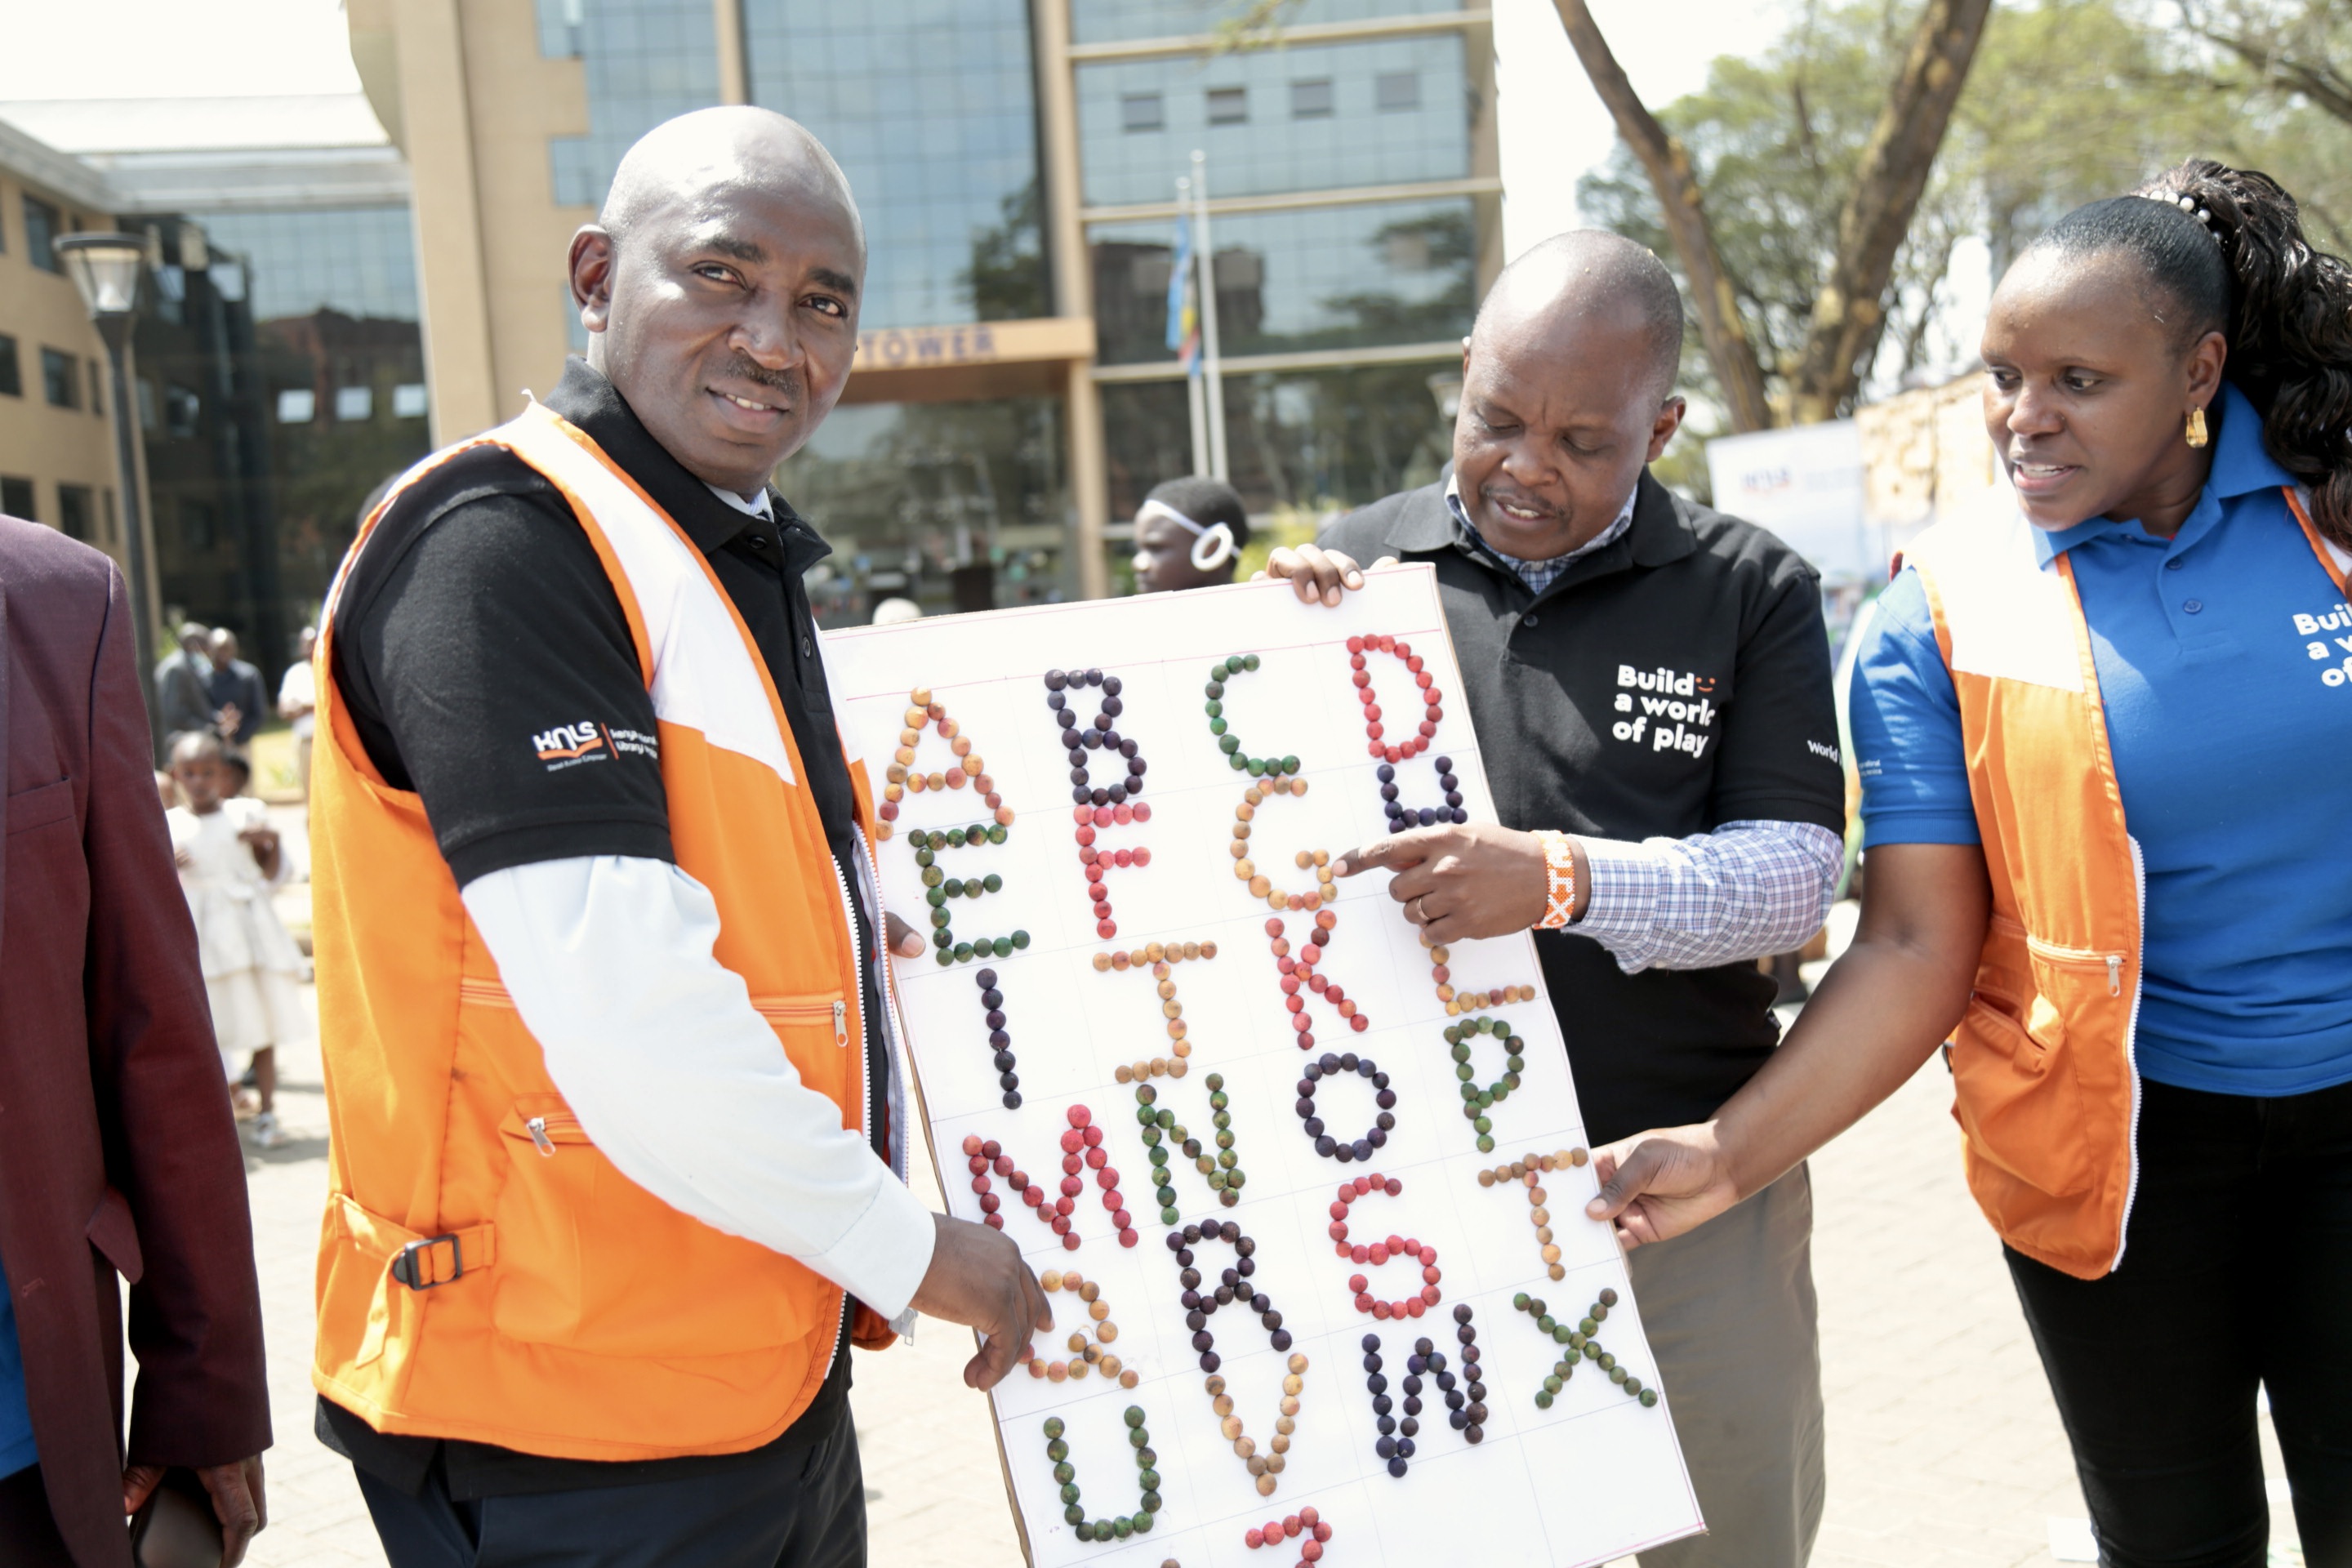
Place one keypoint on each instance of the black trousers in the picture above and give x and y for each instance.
(28, 1534)
(803, 1509)
(2237, 1273)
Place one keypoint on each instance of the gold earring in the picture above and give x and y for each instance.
(2196, 436)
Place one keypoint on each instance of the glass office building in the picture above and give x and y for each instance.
(1016, 164)
(278, 357)
(280, 380)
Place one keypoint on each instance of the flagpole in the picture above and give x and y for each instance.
(1205, 254)
(1193, 393)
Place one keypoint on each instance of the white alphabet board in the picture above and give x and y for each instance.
(1595, 1475)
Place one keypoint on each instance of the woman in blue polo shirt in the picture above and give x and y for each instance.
(2105, 734)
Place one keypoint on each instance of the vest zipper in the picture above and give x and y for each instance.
(2114, 974)
(2131, 1052)
(537, 1128)
(841, 1024)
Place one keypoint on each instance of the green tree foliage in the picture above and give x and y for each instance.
(2069, 101)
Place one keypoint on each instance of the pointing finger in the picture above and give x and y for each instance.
(1390, 854)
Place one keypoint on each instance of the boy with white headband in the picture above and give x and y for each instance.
(1188, 534)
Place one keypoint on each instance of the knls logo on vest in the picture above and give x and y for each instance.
(2331, 640)
(569, 745)
(1675, 708)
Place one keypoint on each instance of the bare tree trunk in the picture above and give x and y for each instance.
(1668, 164)
(1849, 310)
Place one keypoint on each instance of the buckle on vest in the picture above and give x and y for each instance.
(409, 1264)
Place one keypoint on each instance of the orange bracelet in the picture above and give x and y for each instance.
(1560, 878)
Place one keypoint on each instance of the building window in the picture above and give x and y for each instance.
(1142, 111)
(97, 391)
(75, 512)
(408, 401)
(354, 403)
(17, 497)
(297, 406)
(1397, 91)
(12, 373)
(1311, 98)
(61, 379)
(198, 524)
(181, 411)
(41, 227)
(113, 528)
(1228, 105)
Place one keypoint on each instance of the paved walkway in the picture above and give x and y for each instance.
(1944, 1449)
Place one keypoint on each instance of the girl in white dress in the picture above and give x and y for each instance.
(229, 859)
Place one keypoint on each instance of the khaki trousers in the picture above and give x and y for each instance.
(1729, 1312)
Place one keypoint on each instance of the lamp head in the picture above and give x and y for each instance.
(105, 267)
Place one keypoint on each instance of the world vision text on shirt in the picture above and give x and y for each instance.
(1675, 708)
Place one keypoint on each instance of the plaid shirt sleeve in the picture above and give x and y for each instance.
(1747, 890)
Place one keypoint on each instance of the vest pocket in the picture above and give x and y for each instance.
(589, 1261)
(2017, 1101)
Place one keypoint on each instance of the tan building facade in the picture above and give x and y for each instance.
(1013, 392)
(57, 433)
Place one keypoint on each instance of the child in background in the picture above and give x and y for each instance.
(229, 859)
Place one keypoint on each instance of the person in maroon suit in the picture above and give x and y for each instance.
(118, 1153)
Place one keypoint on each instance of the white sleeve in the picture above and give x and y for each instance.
(1749, 889)
(680, 1082)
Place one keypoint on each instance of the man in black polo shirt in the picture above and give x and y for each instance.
(1650, 684)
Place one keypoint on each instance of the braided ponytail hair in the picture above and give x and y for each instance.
(2289, 322)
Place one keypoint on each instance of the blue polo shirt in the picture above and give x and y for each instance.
(2224, 656)
(16, 1448)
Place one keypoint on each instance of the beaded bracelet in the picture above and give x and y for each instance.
(1560, 878)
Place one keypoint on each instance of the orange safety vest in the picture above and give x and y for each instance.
(2045, 1086)
(485, 1272)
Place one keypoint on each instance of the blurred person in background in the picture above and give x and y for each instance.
(229, 859)
(183, 681)
(1188, 533)
(119, 1166)
(238, 698)
(2103, 728)
(298, 702)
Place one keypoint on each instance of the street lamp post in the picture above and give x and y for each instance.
(105, 267)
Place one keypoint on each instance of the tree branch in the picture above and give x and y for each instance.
(1849, 310)
(1668, 164)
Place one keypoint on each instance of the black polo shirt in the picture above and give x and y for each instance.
(1674, 680)
(480, 617)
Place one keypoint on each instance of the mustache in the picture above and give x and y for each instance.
(1490, 494)
(743, 367)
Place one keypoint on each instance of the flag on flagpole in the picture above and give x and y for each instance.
(1183, 315)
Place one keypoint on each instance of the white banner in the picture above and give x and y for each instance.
(1245, 1088)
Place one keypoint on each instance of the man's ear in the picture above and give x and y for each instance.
(592, 277)
(1669, 420)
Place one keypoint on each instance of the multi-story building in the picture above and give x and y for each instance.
(1015, 162)
(278, 362)
(56, 444)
